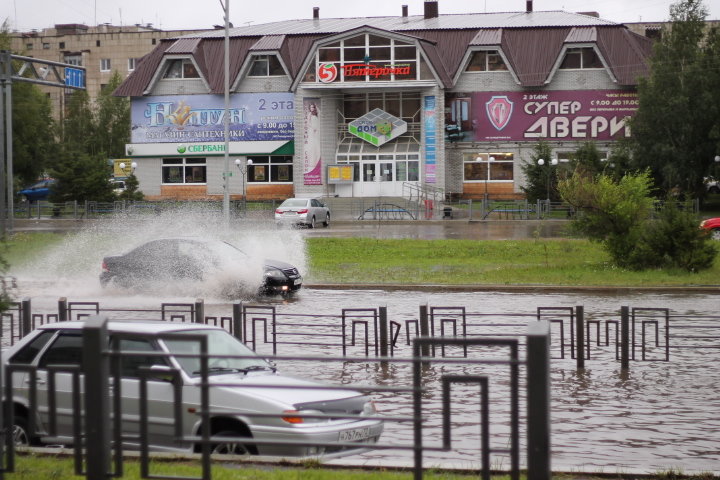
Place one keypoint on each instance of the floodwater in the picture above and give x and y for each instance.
(657, 416)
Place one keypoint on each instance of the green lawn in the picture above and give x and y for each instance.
(504, 262)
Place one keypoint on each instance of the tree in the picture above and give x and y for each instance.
(112, 120)
(33, 128)
(81, 177)
(539, 177)
(618, 215)
(131, 191)
(676, 130)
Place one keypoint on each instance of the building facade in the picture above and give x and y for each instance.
(376, 106)
(101, 49)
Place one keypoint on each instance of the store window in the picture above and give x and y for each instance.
(266, 66)
(580, 58)
(184, 171)
(404, 105)
(270, 169)
(486, 61)
(488, 167)
(180, 68)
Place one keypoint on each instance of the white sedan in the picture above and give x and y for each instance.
(302, 211)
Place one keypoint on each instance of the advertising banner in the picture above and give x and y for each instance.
(200, 118)
(552, 115)
(312, 142)
(430, 112)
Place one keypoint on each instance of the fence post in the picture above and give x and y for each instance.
(383, 331)
(538, 400)
(580, 333)
(237, 320)
(424, 330)
(199, 310)
(95, 367)
(25, 324)
(62, 310)
(625, 337)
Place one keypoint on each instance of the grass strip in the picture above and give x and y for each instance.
(477, 262)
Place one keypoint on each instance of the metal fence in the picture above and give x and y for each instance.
(628, 334)
(97, 443)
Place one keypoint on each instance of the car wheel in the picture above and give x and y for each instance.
(715, 234)
(312, 223)
(230, 448)
(326, 223)
(20, 435)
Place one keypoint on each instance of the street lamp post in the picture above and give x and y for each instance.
(133, 166)
(552, 163)
(243, 166)
(226, 116)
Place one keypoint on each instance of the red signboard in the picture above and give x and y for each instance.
(552, 115)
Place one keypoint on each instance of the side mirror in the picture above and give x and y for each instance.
(163, 373)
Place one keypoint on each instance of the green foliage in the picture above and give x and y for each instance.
(81, 177)
(676, 130)
(112, 119)
(673, 241)
(537, 177)
(617, 214)
(33, 133)
(131, 191)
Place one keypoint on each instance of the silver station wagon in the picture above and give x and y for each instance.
(248, 397)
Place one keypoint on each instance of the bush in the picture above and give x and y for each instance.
(673, 241)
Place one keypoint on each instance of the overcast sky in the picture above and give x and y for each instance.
(24, 15)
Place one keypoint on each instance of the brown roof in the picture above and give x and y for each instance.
(531, 43)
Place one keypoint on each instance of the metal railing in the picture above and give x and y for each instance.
(98, 445)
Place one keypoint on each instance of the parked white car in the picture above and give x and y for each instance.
(302, 211)
(248, 398)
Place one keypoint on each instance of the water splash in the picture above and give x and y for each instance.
(72, 267)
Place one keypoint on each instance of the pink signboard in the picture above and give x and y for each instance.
(552, 115)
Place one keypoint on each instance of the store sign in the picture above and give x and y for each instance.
(377, 127)
(201, 118)
(552, 115)
(328, 72)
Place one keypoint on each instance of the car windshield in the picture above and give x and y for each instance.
(221, 346)
(294, 202)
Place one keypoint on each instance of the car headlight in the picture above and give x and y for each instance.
(275, 274)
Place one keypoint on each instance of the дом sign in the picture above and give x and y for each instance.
(556, 115)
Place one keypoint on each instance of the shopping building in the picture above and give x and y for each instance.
(355, 107)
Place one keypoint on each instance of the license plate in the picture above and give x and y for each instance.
(297, 281)
(355, 435)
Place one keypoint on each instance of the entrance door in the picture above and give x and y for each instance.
(377, 179)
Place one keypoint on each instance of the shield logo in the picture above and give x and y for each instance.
(499, 110)
(384, 128)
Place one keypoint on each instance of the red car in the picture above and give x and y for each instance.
(712, 225)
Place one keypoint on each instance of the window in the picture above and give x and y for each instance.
(28, 353)
(65, 350)
(368, 58)
(153, 41)
(184, 170)
(61, 45)
(105, 65)
(97, 43)
(29, 46)
(486, 61)
(74, 60)
(130, 364)
(270, 169)
(404, 105)
(266, 66)
(488, 167)
(132, 63)
(580, 58)
(46, 46)
(181, 68)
